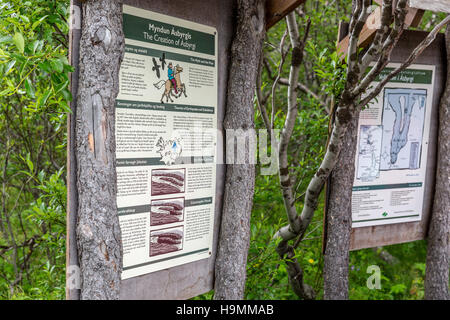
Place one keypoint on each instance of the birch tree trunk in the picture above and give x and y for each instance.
(98, 232)
(339, 218)
(240, 178)
(437, 267)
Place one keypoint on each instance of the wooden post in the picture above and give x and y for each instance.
(72, 267)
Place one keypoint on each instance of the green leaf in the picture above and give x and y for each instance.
(61, 86)
(43, 99)
(25, 19)
(7, 38)
(19, 41)
(67, 94)
(57, 65)
(29, 88)
(18, 57)
(65, 106)
(38, 22)
(29, 163)
(5, 92)
(9, 66)
(37, 46)
(45, 66)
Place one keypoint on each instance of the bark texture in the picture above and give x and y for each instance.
(240, 178)
(98, 231)
(437, 267)
(339, 218)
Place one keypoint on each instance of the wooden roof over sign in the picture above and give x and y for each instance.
(278, 9)
(432, 5)
(413, 18)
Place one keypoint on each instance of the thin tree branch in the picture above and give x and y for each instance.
(413, 56)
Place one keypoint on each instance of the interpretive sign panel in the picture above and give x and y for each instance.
(391, 158)
(403, 177)
(166, 136)
(190, 186)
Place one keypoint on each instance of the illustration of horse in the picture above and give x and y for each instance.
(168, 86)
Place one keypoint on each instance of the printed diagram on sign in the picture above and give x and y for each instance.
(369, 152)
(166, 240)
(396, 143)
(173, 86)
(166, 211)
(403, 125)
(169, 150)
(167, 181)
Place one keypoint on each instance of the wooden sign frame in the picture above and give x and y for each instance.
(191, 279)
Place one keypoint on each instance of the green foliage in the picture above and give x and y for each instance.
(329, 69)
(34, 98)
(324, 74)
(400, 281)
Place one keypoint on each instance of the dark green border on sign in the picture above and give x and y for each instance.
(170, 56)
(134, 28)
(408, 76)
(388, 186)
(139, 105)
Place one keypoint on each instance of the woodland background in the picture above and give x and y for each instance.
(34, 100)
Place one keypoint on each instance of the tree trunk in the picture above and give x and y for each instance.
(437, 269)
(98, 231)
(339, 218)
(339, 214)
(240, 178)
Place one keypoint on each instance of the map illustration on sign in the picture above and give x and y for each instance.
(170, 150)
(403, 124)
(369, 152)
(392, 149)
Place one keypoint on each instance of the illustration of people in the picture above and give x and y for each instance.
(171, 75)
(174, 83)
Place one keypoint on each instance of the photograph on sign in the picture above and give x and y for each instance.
(391, 158)
(166, 122)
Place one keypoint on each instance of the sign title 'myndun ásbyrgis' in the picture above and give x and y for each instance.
(159, 34)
